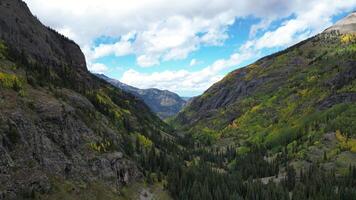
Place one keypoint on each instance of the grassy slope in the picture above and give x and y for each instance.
(285, 110)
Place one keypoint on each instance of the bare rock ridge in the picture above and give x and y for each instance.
(345, 25)
(20, 30)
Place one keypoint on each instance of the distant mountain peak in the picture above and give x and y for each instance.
(345, 25)
(162, 102)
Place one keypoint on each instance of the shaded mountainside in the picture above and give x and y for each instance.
(162, 102)
(22, 31)
(288, 99)
(49, 146)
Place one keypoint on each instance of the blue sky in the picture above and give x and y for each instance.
(168, 44)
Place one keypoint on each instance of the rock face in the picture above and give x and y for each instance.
(58, 122)
(20, 30)
(345, 25)
(53, 140)
(162, 102)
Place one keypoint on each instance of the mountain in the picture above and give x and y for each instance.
(64, 133)
(298, 98)
(162, 102)
(280, 128)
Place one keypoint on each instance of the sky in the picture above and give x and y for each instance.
(184, 46)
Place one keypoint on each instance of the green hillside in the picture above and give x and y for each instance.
(287, 115)
(292, 97)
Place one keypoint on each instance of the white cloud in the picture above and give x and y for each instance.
(303, 25)
(314, 18)
(160, 30)
(183, 80)
(98, 68)
(261, 26)
(147, 60)
(165, 29)
(121, 48)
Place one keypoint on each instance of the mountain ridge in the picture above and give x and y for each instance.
(305, 91)
(162, 102)
(41, 44)
(241, 72)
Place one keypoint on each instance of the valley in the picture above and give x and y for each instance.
(280, 128)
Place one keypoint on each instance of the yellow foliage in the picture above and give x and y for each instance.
(348, 38)
(347, 143)
(105, 101)
(144, 141)
(101, 146)
(102, 98)
(10, 81)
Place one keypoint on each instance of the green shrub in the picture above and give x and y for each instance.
(144, 141)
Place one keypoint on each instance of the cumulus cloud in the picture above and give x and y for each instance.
(166, 30)
(306, 23)
(261, 26)
(98, 68)
(147, 60)
(183, 80)
(161, 30)
(314, 18)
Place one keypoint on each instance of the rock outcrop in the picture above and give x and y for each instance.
(20, 30)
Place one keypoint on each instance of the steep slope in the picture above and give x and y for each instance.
(64, 131)
(288, 99)
(162, 102)
(22, 31)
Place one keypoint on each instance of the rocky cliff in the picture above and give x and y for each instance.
(23, 32)
(63, 131)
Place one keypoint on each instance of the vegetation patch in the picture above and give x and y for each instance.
(101, 147)
(346, 142)
(2, 50)
(10, 81)
(348, 38)
(144, 141)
